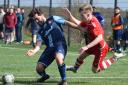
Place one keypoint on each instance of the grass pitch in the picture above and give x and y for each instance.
(13, 60)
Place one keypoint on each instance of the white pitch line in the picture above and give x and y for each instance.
(71, 53)
(78, 77)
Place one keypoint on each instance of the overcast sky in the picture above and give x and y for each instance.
(100, 3)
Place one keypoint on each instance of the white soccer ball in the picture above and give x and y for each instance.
(8, 78)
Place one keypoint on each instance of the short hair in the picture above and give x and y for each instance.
(117, 8)
(35, 11)
(86, 7)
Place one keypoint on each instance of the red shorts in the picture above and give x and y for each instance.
(99, 54)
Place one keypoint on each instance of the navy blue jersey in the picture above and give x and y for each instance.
(100, 17)
(51, 32)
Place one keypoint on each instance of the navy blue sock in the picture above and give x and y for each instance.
(62, 70)
(43, 73)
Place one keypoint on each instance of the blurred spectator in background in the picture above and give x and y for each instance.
(2, 13)
(117, 27)
(19, 26)
(23, 16)
(10, 21)
(125, 32)
(99, 16)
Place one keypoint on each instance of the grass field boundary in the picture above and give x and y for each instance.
(77, 77)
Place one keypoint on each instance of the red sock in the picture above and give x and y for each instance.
(106, 64)
(78, 63)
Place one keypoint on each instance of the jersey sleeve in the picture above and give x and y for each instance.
(59, 19)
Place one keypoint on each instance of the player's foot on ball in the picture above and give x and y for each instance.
(43, 78)
(118, 55)
(71, 68)
(63, 82)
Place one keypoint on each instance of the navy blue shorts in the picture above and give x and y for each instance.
(117, 34)
(48, 56)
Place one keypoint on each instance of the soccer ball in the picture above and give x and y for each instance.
(8, 78)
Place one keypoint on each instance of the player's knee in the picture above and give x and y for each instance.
(40, 67)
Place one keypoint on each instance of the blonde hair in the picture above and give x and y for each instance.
(86, 7)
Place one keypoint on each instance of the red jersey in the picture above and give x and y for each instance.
(93, 30)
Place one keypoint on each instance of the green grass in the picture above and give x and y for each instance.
(13, 60)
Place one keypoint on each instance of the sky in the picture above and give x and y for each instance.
(123, 4)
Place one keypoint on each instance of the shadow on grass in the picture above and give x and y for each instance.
(49, 82)
(32, 82)
(77, 83)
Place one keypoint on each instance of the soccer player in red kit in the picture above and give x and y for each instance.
(96, 44)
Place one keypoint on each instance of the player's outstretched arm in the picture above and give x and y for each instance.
(31, 52)
(71, 24)
(92, 44)
(70, 16)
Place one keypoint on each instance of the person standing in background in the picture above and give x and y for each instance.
(10, 21)
(125, 32)
(117, 27)
(23, 16)
(2, 13)
(19, 26)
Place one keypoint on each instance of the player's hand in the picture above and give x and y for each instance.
(83, 49)
(66, 12)
(31, 52)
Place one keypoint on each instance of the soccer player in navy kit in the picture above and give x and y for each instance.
(51, 33)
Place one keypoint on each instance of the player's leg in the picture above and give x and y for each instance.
(40, 68)
(100, 64)
(118, 40)
(78, 63)
(44, 61)
(60, 54)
